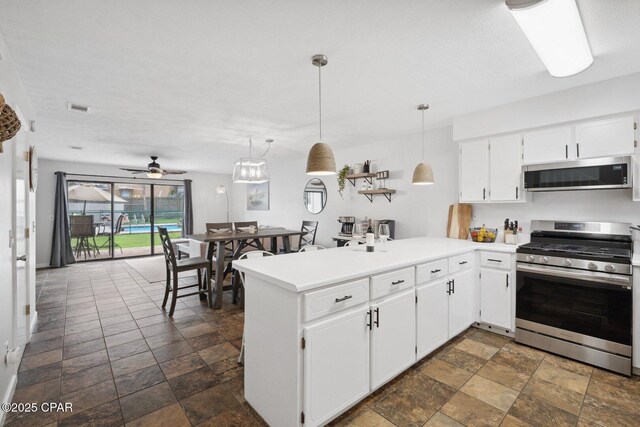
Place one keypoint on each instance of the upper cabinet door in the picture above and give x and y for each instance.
(336, 365)
(393, 337)
(474, 171)
(611, 137)
(548, 145)
(505, 173)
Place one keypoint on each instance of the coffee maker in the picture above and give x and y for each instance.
(347, 225)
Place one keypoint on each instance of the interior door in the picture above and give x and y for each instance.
(474, 171)
(20, 230)
(432, 314)
(393, 337)
(495, 297)
(336, 365)
(505, 172)
(462, 307)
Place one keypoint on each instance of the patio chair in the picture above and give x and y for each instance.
(82, 229)
(106, 232)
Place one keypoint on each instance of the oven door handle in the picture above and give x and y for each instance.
(588, 276)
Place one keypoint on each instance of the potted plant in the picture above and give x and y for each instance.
(342, 178)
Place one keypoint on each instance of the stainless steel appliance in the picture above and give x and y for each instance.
(589, 174)
(574, 292)
(347, 225)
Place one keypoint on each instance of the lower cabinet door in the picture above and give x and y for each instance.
(432, 317)
(495, 297)
(393, 337)
(336, 365)
(462, 302)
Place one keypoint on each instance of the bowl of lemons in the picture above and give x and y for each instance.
(483, 234)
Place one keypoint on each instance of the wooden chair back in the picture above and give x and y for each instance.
(219, 227)
(167, 248)
(309, 238)
(237, 226)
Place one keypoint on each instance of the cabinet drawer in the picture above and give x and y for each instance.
(336, 298)
(460, 262)
(385, 284)
(432, 271)
(495, 260)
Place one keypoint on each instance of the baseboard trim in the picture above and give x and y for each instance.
(8, 395)
(41, 266)
(33, 323)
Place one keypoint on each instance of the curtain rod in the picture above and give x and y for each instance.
(122, 177)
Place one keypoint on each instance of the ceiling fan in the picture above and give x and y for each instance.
(154, 170)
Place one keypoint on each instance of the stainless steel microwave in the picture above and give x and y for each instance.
(589, 174)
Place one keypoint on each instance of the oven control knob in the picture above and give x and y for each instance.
(544, 259)
(530, 258)
(566, 262)
(592, 266)
(610, 268)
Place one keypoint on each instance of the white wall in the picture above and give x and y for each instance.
(208, 206)
(417, 210)
(13, 91)
(607, 98)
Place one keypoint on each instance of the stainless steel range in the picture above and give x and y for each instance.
(573, 293)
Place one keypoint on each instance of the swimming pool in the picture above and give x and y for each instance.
(146, 228)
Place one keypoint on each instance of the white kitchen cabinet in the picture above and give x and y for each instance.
(336, 365)
(495, 297)
(462, 301)
(505, 169)
(393, 337)
(610, 137)
(432, 314)
(474, 171)
(548, 145)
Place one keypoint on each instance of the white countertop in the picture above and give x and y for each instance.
(305, 271)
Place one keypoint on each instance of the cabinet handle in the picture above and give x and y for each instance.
(484, 193)
(517, 193)
(566, 151)
(377, 317)
(453, 286)
(344, 298)
(494, 260)
(397, 282)
(369, 319)
(578, 149)
(507, 280)
(448, 287)
(435, 271)
(462, 262)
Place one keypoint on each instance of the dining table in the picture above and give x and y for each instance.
(217, 248)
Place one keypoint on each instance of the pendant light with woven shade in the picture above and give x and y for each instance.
(320, 160)
(422, 174)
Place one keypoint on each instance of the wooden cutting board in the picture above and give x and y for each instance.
(459, 221)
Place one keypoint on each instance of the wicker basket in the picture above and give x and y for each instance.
(9, 123)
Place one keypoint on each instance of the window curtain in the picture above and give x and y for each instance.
(61, 251)
(187, 227)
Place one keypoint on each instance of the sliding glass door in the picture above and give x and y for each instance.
(118, 220)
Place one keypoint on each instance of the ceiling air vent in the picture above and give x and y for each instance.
(78, 108)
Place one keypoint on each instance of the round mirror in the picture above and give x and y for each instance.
(315, 196)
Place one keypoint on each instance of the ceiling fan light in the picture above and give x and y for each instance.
(154, 175)
(422, 175)
(554, 29)
(320, 160)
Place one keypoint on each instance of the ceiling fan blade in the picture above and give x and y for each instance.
(173, 172)
(135, 170)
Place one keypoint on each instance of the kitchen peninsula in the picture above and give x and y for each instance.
(324, 329)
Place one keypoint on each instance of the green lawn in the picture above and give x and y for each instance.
(135, 240)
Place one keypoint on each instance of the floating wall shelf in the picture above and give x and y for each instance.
(386, 192)
(356, 176)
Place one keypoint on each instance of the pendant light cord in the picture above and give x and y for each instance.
(320, 98)
(423, 135)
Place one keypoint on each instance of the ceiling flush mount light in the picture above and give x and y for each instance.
(554, 29)
(422, 174)
(320, 160)
(252, 170)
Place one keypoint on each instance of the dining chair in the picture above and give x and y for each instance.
(252, 254)
(309, 228)
(354, 243)
(243, 226)
(311, 248)
(175, 266)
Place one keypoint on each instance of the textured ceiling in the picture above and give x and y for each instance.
(190, 81)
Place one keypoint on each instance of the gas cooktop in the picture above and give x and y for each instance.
(576, 250)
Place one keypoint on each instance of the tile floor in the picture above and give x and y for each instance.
(103, 343)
